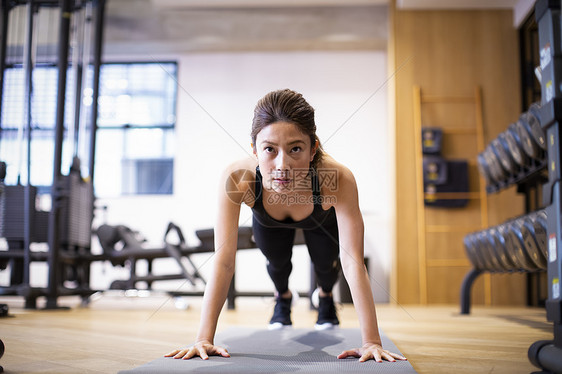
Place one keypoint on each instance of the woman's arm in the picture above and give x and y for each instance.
(226, 239)
(351, 237)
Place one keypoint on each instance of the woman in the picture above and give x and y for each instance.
(291, 184)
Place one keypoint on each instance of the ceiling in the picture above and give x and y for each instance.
(178, 26)
(456, 4)
(521, 8)
(182, 4)
(156, 27)
(401, 4)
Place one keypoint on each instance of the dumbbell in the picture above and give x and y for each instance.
(483, 247)
(528, 142)
(470, 250)
(501, 148)
(481, 252)
(536, 128)
(499, 246)
(531, 245)
(540, 232)
(493, 251)
(484, 169)
(516, 246)
(497, 172)
(509, 246)
(515, 146)
(477, 252)
(502, 234)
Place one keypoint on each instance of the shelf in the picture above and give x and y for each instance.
(453, 195)
(480, 195)
(455, 262)
(459, 131)
(428, 99)
(451, 228)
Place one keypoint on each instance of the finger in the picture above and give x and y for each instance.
(370, 355)
(349, 353)
(222, 351)
(387, 356)
(397, 356)
(181, 353)
(203, 354)
(190, 354)
(173, 353)
(367, 356)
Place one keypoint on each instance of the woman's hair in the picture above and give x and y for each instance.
(287, 106)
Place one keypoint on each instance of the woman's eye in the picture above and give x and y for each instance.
(268, 149)
(296, 149)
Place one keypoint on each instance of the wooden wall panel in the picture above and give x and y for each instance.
(439, 281)
(509, 289)
(450, 53)
(445, 246)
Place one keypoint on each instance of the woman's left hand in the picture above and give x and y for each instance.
(371, 351)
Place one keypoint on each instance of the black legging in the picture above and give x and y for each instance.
(277, 246)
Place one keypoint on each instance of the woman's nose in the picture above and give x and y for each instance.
(281, 162)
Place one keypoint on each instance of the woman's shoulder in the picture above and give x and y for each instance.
(247, 164)
(336, 180)
(329, 167)
(239, 179)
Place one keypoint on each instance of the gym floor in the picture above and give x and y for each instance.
(118, 333)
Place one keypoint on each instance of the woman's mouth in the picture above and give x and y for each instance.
(282, 180)
(280, 174)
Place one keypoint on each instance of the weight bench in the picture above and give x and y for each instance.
(125, 247)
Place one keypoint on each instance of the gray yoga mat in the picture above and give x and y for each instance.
(281, 351)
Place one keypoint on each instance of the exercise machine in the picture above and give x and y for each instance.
(66, 227)
(124, 247)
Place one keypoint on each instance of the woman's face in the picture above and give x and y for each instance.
(284, 154)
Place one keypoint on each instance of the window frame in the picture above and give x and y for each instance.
(170, 102)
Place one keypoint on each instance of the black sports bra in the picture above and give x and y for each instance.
(315, 219)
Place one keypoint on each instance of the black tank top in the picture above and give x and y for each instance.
(315, 219)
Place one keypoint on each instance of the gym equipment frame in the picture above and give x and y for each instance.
(547, 355)
(67, 227)
(532, 242)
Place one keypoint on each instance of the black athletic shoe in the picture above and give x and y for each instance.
(327, 316)
(281, 314)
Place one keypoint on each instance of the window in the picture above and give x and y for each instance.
(135, 138)
(136, 121)
(13, 145)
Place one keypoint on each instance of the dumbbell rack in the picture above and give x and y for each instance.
(547, 355)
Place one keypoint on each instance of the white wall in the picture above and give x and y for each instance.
(216, 97)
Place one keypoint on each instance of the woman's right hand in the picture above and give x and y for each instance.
(202, 349)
